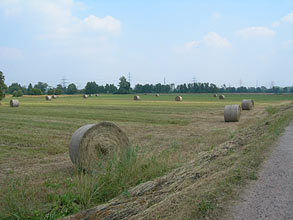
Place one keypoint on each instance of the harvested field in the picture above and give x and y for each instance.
(187, 140)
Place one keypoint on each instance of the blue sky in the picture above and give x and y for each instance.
(224, 42)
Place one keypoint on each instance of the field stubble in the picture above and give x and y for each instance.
(35, 136)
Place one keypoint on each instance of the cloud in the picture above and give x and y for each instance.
(54, 19)
(10, 53)
(108, 24)
(255, 32)
(287, 44)
(216, 16)
(212, 39)
(192, 44)
(286, 19)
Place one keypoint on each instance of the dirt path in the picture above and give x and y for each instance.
(271, 196)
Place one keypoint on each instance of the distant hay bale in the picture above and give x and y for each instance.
(221, 97)
(136, 97)
(232, 113)
(94, 143)
(14, 103)
(85, 96)
(178, 98)
(215, 95)
(48, 98)
(157, 94)
(247, 104)
(90, 95)
(54, 97)
(97, 94)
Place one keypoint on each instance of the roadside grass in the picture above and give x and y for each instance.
(22, 200)
(235, 170)
(167, 134)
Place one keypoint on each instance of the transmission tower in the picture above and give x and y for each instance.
(63, 82)
(129, 78)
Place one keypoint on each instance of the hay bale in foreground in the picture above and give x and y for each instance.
(221, 97)
(14, 103)
(215, 95)
(178, 98)
(85, 96)
(157, 94)
(54, 97)
(136, 97)
(48, 98)
(232, 113)
(93, 143)
(247, 104)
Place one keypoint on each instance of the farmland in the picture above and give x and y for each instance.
(38, 180)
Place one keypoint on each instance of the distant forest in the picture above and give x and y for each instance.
(124, 88)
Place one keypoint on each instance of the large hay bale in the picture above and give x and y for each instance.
(85, 96)
(136, 97)
(221, 97)
(14, 103)
(157, 94)
(48, 98)
(247, 104)
(97, 94)
(232, 113)
(54, 96)
(215, 95)
(92, 144)
(178, 98)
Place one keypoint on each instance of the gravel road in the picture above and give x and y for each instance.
(271, 196)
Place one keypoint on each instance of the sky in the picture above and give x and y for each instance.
(247, 43)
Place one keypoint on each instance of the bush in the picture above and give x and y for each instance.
(35, 91)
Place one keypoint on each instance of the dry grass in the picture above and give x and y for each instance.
(35, 138)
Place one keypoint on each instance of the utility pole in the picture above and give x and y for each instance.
(164, 80)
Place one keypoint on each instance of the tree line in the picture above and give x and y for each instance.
(124, 88)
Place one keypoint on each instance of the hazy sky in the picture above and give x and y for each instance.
(209, 41)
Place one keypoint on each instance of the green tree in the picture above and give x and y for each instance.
(36, 91)
(71, 89)
(42, 86)
(2, 86)
(91, 88)
(124, 86)
(14, 87)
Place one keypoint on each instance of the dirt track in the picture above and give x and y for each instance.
(271, 196)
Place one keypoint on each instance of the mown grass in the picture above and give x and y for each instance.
(22, 201)
(167, 133)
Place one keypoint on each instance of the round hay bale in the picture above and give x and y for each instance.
(215, 95)
(85, 96)
(221, 97)
(97, 94)
(14, 103)
(232, 113)
(157, 94)
(92, 144)
(247, 104)
(48, 98)
(136, 97)
(54, 96)
(178, 98)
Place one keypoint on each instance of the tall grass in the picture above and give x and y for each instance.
(83, 190)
